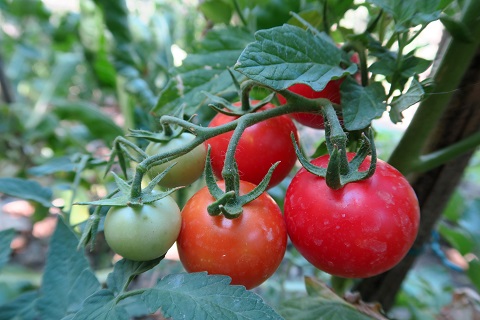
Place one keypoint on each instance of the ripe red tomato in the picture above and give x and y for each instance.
(310, 119)
(248, 249)
(260, 146)
(358, 231)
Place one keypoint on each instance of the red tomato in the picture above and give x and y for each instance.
(248, 249)
(358, 231)
(260, 146)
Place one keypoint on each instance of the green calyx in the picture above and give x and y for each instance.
(229, 202)
(340, 171)
(125, 198)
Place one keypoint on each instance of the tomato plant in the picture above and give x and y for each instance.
(145, 232)
(248, 249)
(358, 231)
(189, 166)
(260, 146)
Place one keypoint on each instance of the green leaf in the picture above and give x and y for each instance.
(457, 237)
(6, 238)
(457, 29)
(310, 308)
(218, 11)
(205, 70)
(399, 104)
(125, 269)
(101, 305)
(26, 189)
(410, 13)
(473, 273)
(22, 307)
(360, 105)
(67, 276)
(200, 296)
(283, 56)
(100, 125)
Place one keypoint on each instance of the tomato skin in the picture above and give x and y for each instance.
(248, 249)
(310, 119)
(143, 233)
(189, 166)
(260, 146)
(358, 231)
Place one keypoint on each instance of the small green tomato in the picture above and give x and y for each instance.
(145, 232)
(189, 166)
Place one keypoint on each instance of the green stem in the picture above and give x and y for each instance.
(129, 294)
(436, 158)
(296, 104)
(453, 66)
(76, 182)
(240, 13)
(326, 26)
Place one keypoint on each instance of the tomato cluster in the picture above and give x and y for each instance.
(360, 230)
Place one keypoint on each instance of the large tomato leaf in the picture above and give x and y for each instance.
(205, 70)
(360, 105)
(67, 276)
(26, 189)
(22, 307)
(283, 56)
(310, 308)
(201, 296)
(6, 237)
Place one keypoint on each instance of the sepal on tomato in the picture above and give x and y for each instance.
(230, 202)
(340, 171)
(125, 199)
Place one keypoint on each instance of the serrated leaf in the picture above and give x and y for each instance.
(101, 305)
(399, 104)
(313, 308)
(22, 307)
(26, 189)
(6, 238)
(67, 276)
(410, 13)
(360, 105)
(200, 296)
(204, 71)
(124, 269)
(283, 56)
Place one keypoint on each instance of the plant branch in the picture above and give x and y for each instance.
(453, 66)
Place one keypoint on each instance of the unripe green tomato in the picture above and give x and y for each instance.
(189, 166)
(145, 232)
